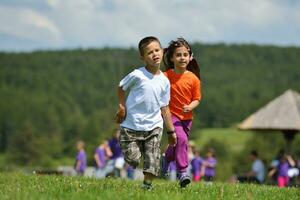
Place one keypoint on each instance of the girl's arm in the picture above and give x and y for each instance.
(121, 113)
(78, 164)
(202, 172)
(191, 106)
(290, 161)
(210, 164)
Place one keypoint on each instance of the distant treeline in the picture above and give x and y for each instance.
(49, 99)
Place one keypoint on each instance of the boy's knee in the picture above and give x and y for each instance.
(132, 161)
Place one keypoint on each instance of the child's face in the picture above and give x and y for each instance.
(209, 154)
(181, 57)
(153, 54)
(79, 146)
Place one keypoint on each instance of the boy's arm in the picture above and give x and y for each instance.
(108, 152)
(165, 111)
(121, 113)
(97, 160)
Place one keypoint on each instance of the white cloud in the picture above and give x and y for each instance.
(27, 24)
(96, 23)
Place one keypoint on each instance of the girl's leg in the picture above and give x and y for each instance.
(181, 150)
(196, 177)
(182, 129)
(281, 181)
(170, 153)
(287, 180)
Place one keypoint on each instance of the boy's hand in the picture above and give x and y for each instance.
(120, 115)
(172, 139)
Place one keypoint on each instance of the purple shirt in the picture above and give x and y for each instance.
(210, 170)
(172, 166)
(100, 152)
(115, 148)
(81, 156)
(196, 165)
(283, 168)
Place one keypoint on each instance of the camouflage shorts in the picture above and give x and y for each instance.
(136, 144)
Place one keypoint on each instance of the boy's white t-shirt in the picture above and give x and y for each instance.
(147, 94)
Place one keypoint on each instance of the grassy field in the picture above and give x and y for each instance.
(20, 186)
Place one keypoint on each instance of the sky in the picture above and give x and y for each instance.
(29, 25)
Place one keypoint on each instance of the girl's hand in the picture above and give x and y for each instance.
(120, 115)
(172, 139)
(186, 109)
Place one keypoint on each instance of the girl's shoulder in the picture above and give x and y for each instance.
(168, 72)
(191, 75)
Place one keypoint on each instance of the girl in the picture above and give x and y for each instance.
(209, 166)
(285, 162)
(196, 163)
(183, 73)
(81, 159)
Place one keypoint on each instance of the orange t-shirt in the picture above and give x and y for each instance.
(185, 88)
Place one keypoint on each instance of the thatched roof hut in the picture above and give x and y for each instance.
(282, 113)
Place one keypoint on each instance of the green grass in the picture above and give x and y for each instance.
(19, 186)
(233, 138)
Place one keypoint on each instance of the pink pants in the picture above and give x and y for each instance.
(179, 153)
(196, 177)
(283, 181)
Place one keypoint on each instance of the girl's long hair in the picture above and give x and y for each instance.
(169, 51)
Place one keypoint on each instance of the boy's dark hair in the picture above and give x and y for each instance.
(145, 41)
(169, 51)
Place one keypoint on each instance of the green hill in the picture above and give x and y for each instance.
(48, 99)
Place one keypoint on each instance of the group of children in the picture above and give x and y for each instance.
(284, 170)
(156, 98)
(108, 158)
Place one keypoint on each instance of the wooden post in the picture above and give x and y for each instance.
(289, 136)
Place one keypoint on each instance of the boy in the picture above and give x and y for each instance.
(145, 110)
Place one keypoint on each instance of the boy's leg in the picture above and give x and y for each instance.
(151, 152)
(130, 147)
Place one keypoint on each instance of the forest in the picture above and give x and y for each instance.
(50, 99)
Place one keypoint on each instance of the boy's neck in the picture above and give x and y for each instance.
(152, 69)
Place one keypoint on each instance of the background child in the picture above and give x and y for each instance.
(101, 155)
(196, 163)
(116, 162)
(285, 162)
(209, 166)
(146, 108)
(81, 159)
(183, 72)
